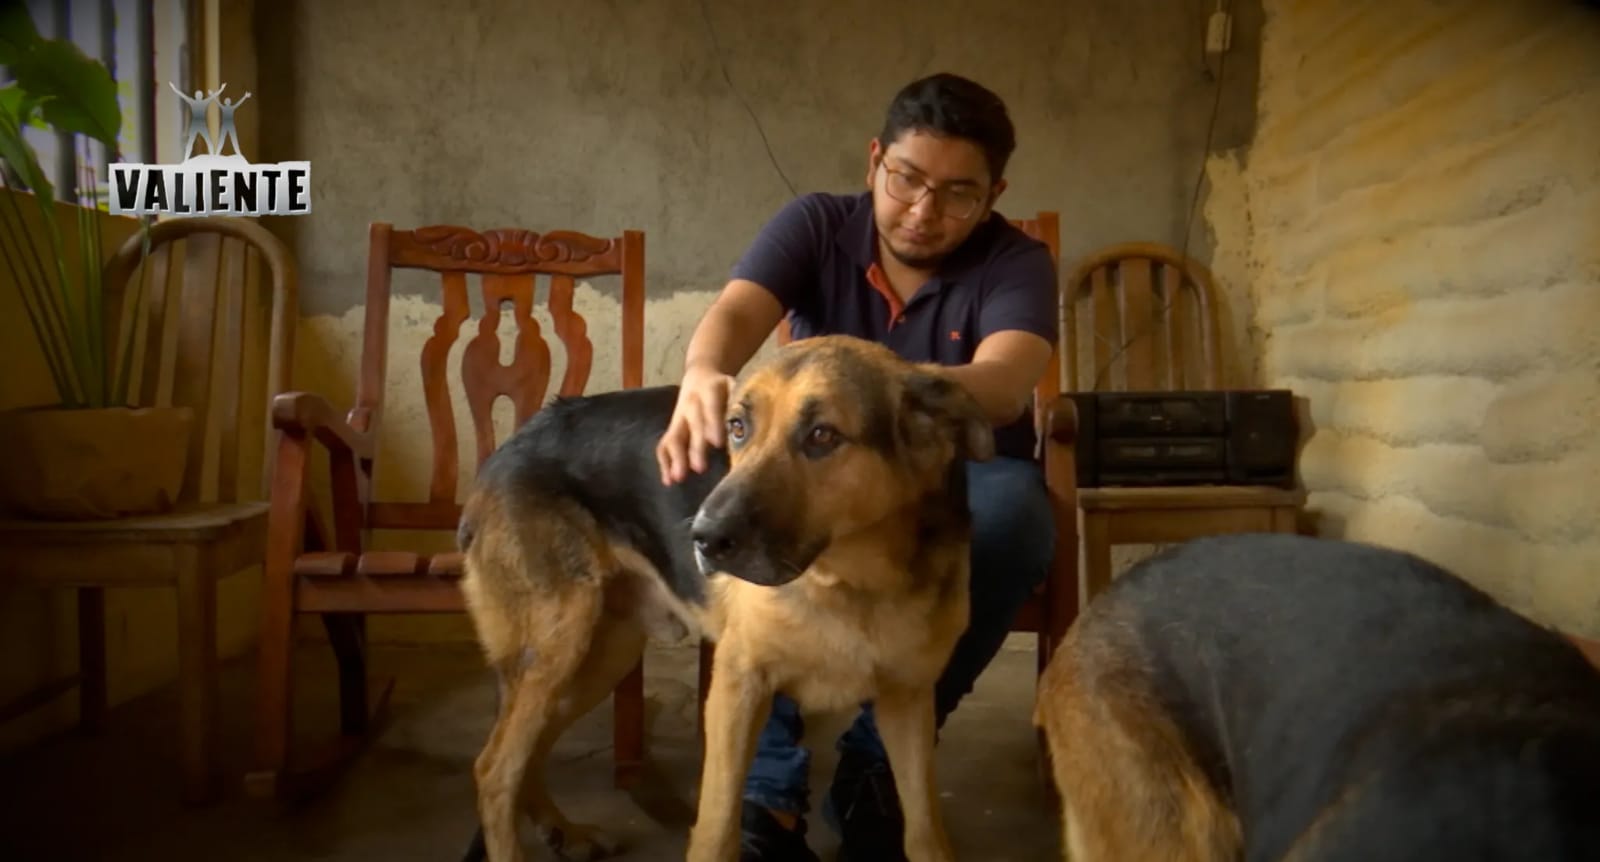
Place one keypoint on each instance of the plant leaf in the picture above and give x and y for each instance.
(14, 150)
(18, 104)
(18, 36)
(77, 93)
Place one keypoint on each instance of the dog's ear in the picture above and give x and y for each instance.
(934, 406)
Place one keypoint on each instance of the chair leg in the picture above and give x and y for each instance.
(274, 708)
(197, 678)
(628, 727)
(1284, 520)
(347, 633)
(91, 659)
(1096, 532)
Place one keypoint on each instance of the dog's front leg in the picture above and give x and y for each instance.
(738, 702)
(905, 722)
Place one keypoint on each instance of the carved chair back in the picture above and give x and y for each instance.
(506, 264)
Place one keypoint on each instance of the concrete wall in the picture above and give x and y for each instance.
(1423, 207)
(602, 117)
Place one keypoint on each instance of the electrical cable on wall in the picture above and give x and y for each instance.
(716, 51)
(1224, 7)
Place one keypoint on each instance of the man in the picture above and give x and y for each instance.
(922, 263)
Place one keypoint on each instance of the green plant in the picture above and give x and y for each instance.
(57, 87)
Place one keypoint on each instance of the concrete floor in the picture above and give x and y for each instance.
(410, 796)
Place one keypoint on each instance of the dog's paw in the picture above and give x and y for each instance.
(575, 842)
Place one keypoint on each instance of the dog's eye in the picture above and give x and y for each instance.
(736, 429)
(821, 440)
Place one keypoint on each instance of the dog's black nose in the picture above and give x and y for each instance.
(715, 538)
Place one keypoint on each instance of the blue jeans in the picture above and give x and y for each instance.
(1012, 544)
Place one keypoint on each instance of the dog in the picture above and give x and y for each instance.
(1282, 697)
(825, 552)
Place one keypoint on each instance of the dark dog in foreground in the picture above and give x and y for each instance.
(1276, 697)
(826, 553)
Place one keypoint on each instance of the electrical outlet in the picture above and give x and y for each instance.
(1219, 32)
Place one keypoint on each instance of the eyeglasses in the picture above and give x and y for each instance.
(956, 203)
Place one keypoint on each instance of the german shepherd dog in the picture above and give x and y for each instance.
(1278, 697)
(825, 553)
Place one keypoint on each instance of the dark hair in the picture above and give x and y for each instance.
(949, 105)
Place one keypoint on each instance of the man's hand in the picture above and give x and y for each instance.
(697, 422)
(733, 328)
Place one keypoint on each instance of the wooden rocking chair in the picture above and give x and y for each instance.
(336, 574)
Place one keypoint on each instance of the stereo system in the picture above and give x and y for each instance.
(1223, 437)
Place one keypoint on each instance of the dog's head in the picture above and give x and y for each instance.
(830, 437)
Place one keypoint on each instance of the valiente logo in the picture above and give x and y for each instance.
(211, 183)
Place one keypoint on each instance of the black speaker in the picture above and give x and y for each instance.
(1262, 437)
(1227, 437)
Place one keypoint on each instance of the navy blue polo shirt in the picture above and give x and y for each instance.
(819, 257)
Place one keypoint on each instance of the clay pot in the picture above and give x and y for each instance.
(92, 463)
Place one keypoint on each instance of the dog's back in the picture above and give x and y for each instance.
(1350, 702)
(598, 452)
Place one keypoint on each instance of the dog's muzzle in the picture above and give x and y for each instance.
(727, 540)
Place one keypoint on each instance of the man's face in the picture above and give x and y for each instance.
(947, 183)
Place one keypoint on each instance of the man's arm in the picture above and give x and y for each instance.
(773, 275)
(733, 328)
(1017, 327)
(1003, 372)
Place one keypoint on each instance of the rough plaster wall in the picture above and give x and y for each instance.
(602, 117)
(1424, 201)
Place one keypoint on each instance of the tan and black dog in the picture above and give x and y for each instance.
(826, 553)
(1279, 697)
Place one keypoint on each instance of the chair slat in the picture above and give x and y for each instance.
(436, 385)
(1138, 321)
(192, 372)
(226, 394)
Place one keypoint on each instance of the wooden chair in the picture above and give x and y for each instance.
(337, 575)
(1149, 323)
(214, 328)
(1051, 610)
(1054, 605)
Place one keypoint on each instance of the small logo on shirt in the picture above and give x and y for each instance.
(955, 335)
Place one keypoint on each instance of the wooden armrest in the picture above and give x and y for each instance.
(1061, 421)
(309, 413)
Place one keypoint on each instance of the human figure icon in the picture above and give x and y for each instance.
(198, 108)
(227, 107)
